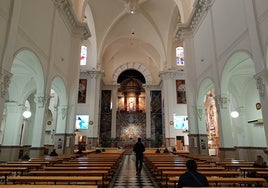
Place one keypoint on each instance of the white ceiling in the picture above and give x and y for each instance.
(145, 37)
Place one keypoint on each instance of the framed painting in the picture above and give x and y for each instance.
(82, 91)
(181, 91)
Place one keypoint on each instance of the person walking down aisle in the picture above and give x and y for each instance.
(192, 178)
(139, 149)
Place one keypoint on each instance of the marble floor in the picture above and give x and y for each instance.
(126, 176)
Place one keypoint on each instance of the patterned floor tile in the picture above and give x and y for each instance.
(127, 176)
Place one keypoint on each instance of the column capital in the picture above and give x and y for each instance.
(5, 78)
(41, 100)
(222, 101)
(262, 82)
(63, 110)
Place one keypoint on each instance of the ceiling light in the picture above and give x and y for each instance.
(132, 6)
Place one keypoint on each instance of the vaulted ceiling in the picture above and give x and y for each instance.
(144, 37)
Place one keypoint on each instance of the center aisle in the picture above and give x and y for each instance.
(126, 176)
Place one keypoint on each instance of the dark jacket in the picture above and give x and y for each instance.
(139, 149)
(192, 179)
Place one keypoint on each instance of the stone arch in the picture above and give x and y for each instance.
(60, 101)
(238, 85)
(133, 65)
(26, 84)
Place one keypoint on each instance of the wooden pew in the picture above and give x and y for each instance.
(55, 179)
(48, 186)
(16, 170)
(226, 180)
(224, 173)
(83, 165)
(159, 170)
(252, 169)
(29, 166)
(5, 174)
(102, 173)
(78, 168)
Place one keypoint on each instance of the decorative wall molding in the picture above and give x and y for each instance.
(222, 102)
(66, 11)
(5, 78)
(262, 82)
(172, 74)
(92, 74)
(200, 9)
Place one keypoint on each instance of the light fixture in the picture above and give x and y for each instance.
(234, 114)
(26, 114)
(132, 6)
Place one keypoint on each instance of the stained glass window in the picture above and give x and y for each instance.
(180, 56)
(83, 56)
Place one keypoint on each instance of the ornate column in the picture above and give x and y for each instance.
(262, 86)
(14, 120)
(5, 78)
(222, 104)
(61, 118)
(114, 109)
(94, 81)
(147, 110)
(37, 148)
(168, 93)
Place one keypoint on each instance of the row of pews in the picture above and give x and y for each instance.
(90, 170)
(166, 168)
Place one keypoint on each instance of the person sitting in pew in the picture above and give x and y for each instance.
(80, 151)
(53, 153)
(25, 157)
(192, 178)
(166, 150)
(259, 163)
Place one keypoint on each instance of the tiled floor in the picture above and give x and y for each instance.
(126, 177)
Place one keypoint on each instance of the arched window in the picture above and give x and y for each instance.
(180, 56)
(83, 55)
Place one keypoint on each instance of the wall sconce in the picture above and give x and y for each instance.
(26, 114)
(234, 114)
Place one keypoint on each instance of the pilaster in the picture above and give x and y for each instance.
(222, 104)
(262, 86)
(147, 110)
(39, 129)
(94, 81)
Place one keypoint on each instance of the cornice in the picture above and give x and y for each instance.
(198, 12)
(65, 9)
(92, 73)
